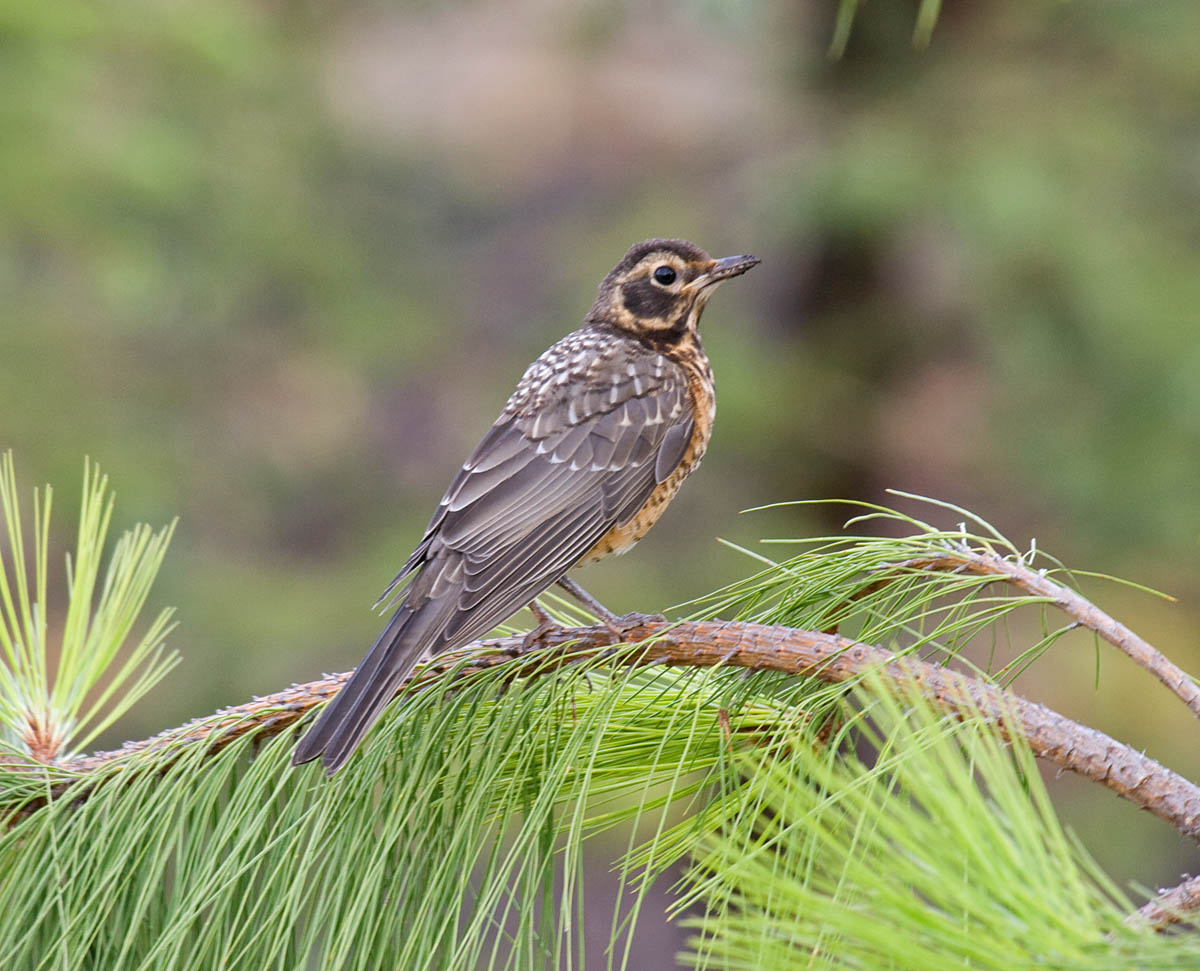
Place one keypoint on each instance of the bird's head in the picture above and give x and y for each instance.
(658, 291)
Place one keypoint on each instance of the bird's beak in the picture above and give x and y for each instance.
(723, 269)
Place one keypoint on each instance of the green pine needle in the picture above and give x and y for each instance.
(95, 678)
(942, 853)
(456, 837)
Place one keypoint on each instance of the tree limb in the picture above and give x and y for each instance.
(1074, 605)
(1169, 907)
(827, 657)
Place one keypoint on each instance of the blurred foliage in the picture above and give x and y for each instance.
(276, 267)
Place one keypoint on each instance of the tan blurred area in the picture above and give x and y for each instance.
(276, 267)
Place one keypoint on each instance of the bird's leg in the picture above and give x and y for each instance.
(619, 625)
(545, 624)
(592, 604)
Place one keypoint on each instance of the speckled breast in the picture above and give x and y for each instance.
(621, 539)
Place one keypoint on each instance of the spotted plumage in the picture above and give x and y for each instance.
(593, 444)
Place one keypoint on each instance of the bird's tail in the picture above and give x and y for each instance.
(346, 719)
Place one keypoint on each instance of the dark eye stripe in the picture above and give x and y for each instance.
(643, 299)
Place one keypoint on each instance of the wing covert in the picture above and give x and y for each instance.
(566, 462)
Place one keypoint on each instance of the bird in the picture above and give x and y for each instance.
(591, 447)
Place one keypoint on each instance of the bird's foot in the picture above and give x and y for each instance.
(620, 626)
(534, 638)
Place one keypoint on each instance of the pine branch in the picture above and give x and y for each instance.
(827, 657)
(1169, 907)
(1082, 611)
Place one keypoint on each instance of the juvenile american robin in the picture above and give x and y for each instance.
(595, 441)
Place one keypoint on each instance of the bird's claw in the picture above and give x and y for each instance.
(534, 638)
(620, 626)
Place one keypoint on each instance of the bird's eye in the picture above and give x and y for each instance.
(664, 275)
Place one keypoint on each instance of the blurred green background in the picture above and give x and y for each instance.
(276, 266)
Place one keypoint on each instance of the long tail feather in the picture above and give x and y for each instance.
(346, 719)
